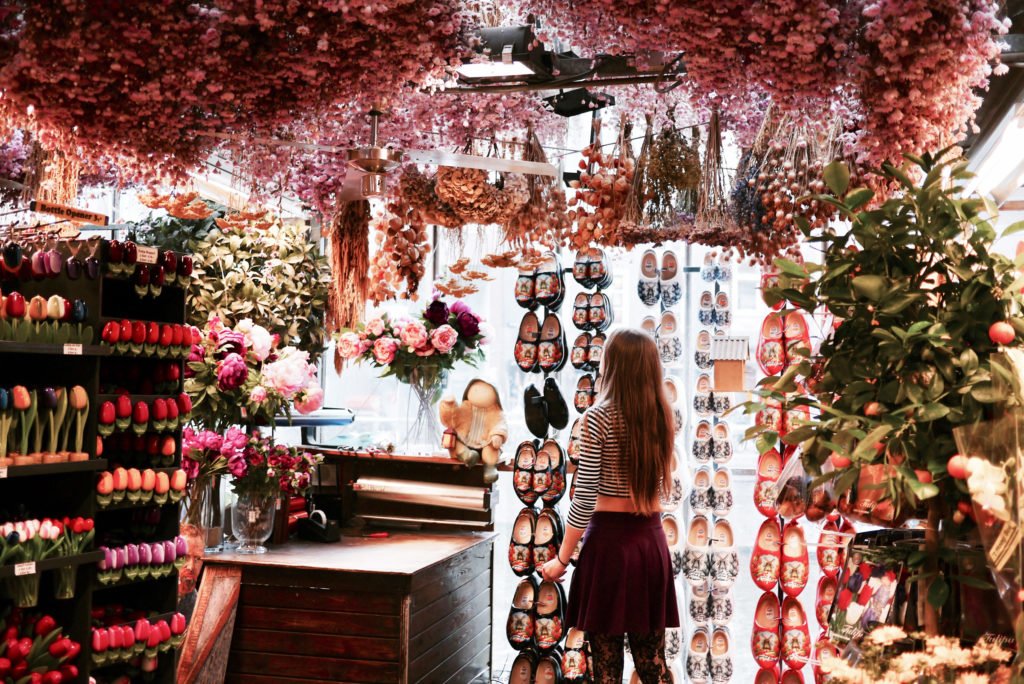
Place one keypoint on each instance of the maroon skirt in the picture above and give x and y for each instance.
(623, 579)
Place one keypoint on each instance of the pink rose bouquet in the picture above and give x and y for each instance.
(417, 351)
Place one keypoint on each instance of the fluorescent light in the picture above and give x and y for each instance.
(475, 71)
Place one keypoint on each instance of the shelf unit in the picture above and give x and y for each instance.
(69, 489)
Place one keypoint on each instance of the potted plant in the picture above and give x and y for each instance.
(922, 305)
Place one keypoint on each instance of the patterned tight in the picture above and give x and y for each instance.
(648, 657)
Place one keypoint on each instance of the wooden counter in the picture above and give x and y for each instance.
(413, 607)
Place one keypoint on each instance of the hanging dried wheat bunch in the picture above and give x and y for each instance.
(673, 175)
(712, 202)
(51, 176)
(350, 263)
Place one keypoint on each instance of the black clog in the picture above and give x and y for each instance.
(547, 537)
(549, 616)
(551, 352)
(555, 408)
(535, 412)
(520, 546)
(522, 472)
(558, 459)
(519, 627)
(527, 343)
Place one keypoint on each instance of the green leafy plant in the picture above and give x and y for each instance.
(916, 286)
(275, 276)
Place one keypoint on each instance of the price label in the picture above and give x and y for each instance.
(277, 504)
(1005, 545)
(21, 569)
(147, 255)
(253, 517)
(72, 350)
(3, 473)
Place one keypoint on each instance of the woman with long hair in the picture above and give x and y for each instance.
(623, 585)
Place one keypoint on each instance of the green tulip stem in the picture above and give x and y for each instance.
(80, 418)
(56, 418)
(26, 420)
(5, 426)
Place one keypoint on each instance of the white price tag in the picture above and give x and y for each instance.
(253, 517)
(72, 350)
(3, 473)
(21, 569)
(277, 504)
(147, 255)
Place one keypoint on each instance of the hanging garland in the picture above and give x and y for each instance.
(350, 265)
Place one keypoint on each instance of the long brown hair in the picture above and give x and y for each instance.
(631, 381)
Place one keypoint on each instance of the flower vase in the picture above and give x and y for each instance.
(24, 590)
(64, 582)
(204, 515)
(252, 520)
(423, 429)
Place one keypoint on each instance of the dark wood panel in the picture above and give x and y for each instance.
(333, 581)
(329, 645)
(333, 669)
(241, 678)
(316, 621)
(322, 599)
(450, 643)
(476, 670)
(469, 653)
(445, 577)
(432, 612)
(424, 634)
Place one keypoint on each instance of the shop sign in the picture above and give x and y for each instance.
(68, 212)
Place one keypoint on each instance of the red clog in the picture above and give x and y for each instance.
(830, 549)
(769, 467)
(794, 559)
(796, 639)
(827, 588)
(770, 416)
(824, 649)
(766, 559)
(767, 675)
(797, 337)
(771, 353)
(792, 677)
(769, 280)
(764, 642)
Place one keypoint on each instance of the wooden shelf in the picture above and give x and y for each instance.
(86, 558)
(134, 504)
(92, 464)
(338, 453)
(9, 347)
(123, 582)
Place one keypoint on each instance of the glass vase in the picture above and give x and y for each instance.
(423, 429)
(64, 582)
(252, 520)
(24, 590)
(203, 514)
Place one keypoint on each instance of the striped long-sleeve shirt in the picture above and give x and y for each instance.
(602, 468)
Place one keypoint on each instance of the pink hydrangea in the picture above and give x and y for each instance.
(444, 338)
(414, 335)
(384, 350)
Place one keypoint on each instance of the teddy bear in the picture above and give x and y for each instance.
(478, 424)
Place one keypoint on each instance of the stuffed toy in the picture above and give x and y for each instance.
(478, 424)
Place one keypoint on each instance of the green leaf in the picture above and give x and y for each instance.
(871, 287)
(986, 393)
(968, 361)
(938, 592)
(790, 268)
(857, 198)
(932, 411)
(837, 176)
(865, 451)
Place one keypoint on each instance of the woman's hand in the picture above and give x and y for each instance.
(553, 570)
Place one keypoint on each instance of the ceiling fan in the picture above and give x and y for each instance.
(369, 166)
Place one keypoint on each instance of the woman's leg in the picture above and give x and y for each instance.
(608, 657)
(649, 657)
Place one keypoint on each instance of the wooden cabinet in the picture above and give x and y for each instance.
(412, 607)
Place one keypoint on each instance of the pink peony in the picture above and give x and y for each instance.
(384, 350)
(444, 338)
(231, 372)
(237, 465)
(257, 338)
(414, 335)
(309, 399)
(258, 394)
(234, 442)
(288, 373)
(459, 306)
(349, 345)
(375, 327)
(426, 350)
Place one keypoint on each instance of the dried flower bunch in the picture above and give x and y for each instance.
(475, 200)
(673, 174)
(182, 205)
(544, 220)
(603, 192)
(407, 245)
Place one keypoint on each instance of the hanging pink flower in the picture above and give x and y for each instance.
(309, 399)
(288, 373)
